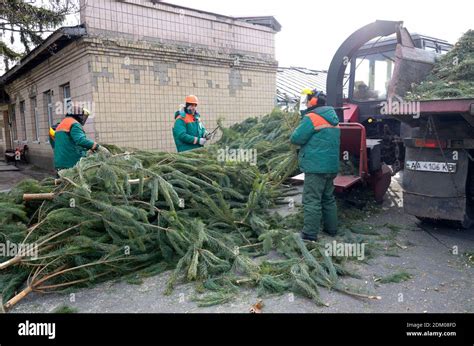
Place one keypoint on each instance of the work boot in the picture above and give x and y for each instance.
(305, 236)
(332, 233)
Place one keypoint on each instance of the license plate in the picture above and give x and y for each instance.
(427, 166)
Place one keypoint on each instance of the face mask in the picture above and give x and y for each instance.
(303, 99)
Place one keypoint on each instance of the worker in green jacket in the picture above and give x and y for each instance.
(188, 131)
(318, 135)
(69, 140)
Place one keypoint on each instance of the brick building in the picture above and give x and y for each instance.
(131, 62)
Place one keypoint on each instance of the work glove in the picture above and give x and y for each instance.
(202, 141)
(103, 150)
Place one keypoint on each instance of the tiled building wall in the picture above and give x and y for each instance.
(136, 97)
(143, 20)
(147, 57)
(70, 65)
(137, 64)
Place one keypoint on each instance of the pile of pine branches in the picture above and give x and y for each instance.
(452, 76)
(142, 213)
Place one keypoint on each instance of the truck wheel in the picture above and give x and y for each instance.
(427, 220)
(467, 223)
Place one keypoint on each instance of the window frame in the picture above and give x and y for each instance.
(66, 98)
(22, 106)
(35, 116)
(389, 54)
(48, 104)
(12, 120)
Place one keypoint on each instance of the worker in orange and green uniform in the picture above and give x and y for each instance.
(69, 140)
(188, 131)
(318, 135)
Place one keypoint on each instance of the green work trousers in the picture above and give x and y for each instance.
(319, 204)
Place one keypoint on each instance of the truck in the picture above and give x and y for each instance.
(374, 57)
(433, 140)
(370, 138)
(438, 180)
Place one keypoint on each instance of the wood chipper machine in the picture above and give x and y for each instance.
(377, 63)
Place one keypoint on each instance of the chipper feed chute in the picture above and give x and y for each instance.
(412, 65)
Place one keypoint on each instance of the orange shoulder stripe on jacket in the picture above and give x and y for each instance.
(187, 119)
(319, 122)
(66, 124)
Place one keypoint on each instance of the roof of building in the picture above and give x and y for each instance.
(268, 21)
(65, 35)
(51, 45)
(391, 40)
(291, 80)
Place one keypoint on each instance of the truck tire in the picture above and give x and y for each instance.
(467, 223)
(428, 220)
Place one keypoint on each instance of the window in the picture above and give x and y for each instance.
(13, 122)
(2, 126)
(34, 114)
(48, 101)
(23, 120)
(437, 47)
(67, 103)
(372, 76)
